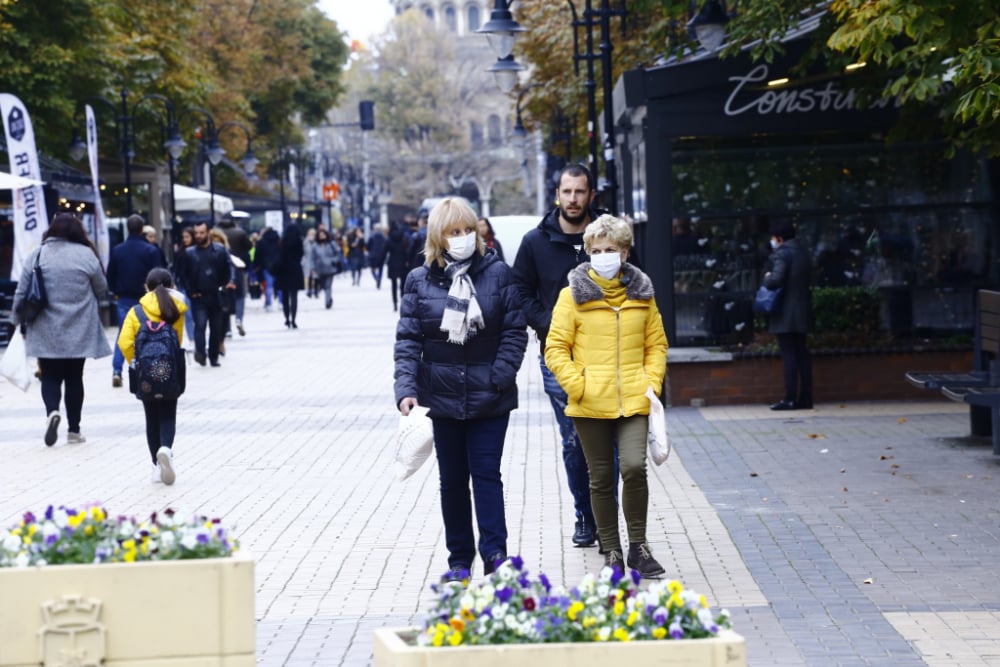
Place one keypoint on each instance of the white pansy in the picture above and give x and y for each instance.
(189, 540)
(12, 543)
(60, 518)
(705, 618)
(22, 560)
(467, 601)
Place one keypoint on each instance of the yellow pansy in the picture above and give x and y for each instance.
(621, 635)
(675, 587)
(128, 545)
(619, 594)
(129, 556)
(675, 601)
(619, 608)
(632, 618)
(589, 621)
(659, 633)
(574, 609)
(75, 520)
(455, 639)
(17, 531)
(703, 602)
(97, 514)
(88, 530)
(468, 614)
(32, 529)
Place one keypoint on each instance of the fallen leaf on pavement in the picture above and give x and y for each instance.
(817, 436)
(901, 420)
(869, 580)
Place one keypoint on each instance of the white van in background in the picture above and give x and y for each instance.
(509, 229)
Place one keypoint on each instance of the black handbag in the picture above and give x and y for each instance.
(35, 299)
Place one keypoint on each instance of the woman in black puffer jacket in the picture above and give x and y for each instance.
(460, 341)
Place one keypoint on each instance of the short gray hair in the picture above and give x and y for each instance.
(611, 228)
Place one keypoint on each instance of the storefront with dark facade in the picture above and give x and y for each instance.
(711, 149)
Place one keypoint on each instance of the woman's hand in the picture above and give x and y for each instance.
(407, 404)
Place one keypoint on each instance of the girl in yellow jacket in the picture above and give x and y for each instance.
(160, 303)
(606, 346)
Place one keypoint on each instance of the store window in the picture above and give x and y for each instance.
(903, 220)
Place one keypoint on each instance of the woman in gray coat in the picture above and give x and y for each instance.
(69, 329)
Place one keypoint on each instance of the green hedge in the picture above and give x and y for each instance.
(845, 310)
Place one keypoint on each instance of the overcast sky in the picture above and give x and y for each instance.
(359, 18)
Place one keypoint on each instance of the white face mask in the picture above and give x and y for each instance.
(774, 244)
(460, 248)
(607, 264)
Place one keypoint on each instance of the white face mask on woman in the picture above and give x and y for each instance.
(607, 264)
(460, 248)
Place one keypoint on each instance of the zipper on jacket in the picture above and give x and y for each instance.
(618, 358)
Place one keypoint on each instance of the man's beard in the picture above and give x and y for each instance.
(574, 220)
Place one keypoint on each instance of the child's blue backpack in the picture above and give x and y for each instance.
(158, 371)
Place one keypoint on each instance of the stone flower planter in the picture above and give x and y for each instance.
(186, 612)
(394, 648)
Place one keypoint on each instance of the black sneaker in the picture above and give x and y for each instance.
(640, 559)
(614, 559)
(490, 564)
(459, 573)
(199, 358)
(52, 428)
(585, 534)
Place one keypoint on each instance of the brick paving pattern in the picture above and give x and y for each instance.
(858, 534)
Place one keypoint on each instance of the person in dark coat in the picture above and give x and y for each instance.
(396, 260)
(790, 269)
(208, 271)
(378, 249)
(266, 260)
(290, 278)
(129, 264)
(239, 247)
(490, 237)
(460, 341)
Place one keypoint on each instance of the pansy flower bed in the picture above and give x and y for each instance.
(63, 535)
(512, 607)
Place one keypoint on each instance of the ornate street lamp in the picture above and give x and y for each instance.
(214, 152)
(501, 31)
(709, 26)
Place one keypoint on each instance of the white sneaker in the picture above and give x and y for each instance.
(165, 458)
(75, 438)
(52, 428)
(155, 477)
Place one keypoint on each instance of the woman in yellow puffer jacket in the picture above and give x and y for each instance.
(606, 347)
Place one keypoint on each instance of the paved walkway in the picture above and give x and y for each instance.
(848, 535)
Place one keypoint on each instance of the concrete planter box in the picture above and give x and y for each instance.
(393, 648)
(193, 613)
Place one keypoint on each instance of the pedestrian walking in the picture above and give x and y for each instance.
(129, 264)
(209, 272)
(490, 237)
(161, 303)
(267, 259)
(326, 261)
(356, 254)
(178, 272)
(606, 347)
(289, 278)
(396, 260)
(460, 340)
(239, 247)
(378, 249)
(544, 259)
(68, 330)
(312, 284)
(790, 270)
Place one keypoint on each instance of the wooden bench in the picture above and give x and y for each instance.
(980, 387)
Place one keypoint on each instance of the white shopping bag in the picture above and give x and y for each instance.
(659, 443)
(14, 364)
(414, 441)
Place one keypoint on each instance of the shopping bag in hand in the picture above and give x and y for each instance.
(659, 443)
(414, 441)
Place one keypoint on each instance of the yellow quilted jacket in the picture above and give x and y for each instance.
(606, 358)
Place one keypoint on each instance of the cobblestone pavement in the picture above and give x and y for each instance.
(848, 535)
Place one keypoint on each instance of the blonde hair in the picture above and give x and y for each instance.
(446, 213)
(218, 236)
(608, 227)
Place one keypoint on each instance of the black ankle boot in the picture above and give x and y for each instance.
(640, 559)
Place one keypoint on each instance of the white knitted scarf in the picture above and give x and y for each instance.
(462, 316)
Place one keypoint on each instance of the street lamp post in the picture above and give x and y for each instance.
(214, 152)
(173, 144)
(501, 31)
(591, 18)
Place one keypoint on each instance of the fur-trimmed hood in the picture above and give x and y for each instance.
(638, 286)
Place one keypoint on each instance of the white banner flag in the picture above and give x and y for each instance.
(30, 217)
(100, 227)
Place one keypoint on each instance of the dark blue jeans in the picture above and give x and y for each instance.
(161, 424)
(573, 458)
(471, 448)
(123, 305)
(207, 313)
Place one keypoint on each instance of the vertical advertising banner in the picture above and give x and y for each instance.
(100, 227)
(30, 217)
